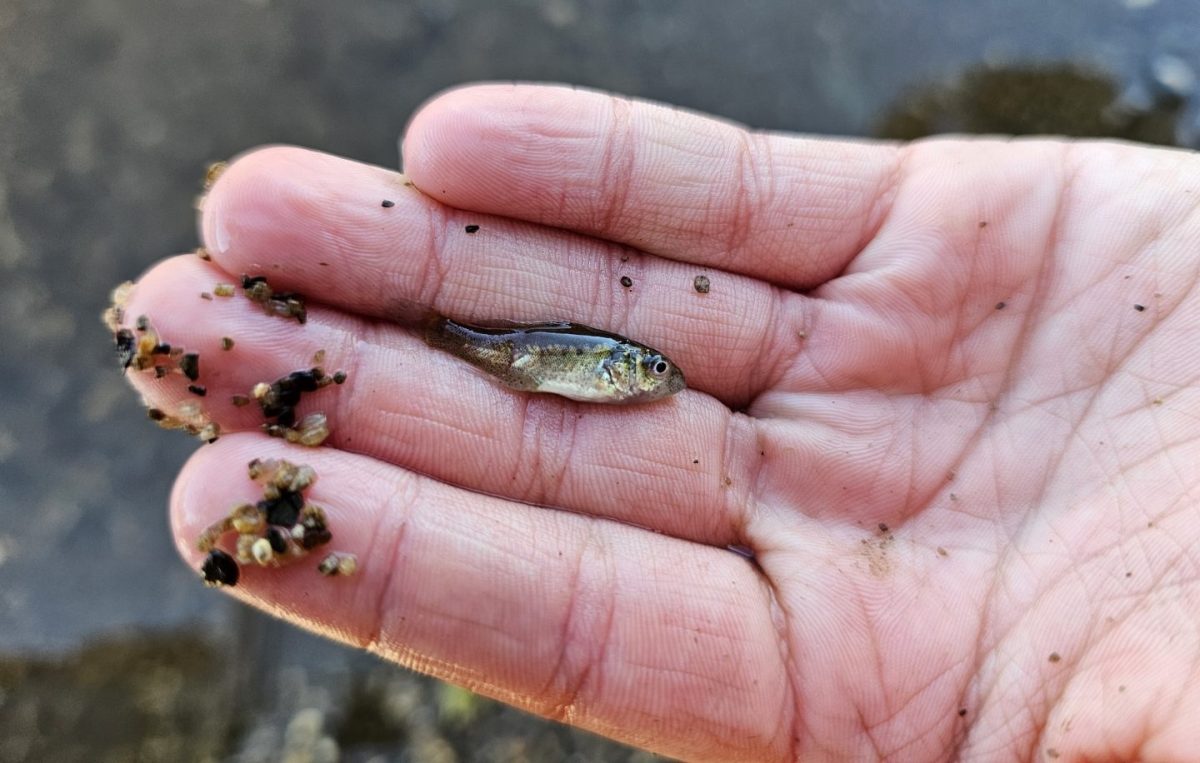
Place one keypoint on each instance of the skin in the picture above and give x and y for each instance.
(940, 337)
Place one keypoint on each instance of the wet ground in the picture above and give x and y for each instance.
(109, 110)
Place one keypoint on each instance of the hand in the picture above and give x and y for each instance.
(944, 392)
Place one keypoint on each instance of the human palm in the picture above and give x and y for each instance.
(942, 394)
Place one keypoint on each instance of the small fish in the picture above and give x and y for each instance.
(567, 359)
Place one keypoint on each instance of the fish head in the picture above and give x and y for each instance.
(655, 377)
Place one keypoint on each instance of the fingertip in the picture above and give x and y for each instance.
(503, 132)
(203, 491)
(215, 480)
(246, 178)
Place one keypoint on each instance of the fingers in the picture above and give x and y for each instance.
(316, 224)
(681, 466)
(643, 637)
(792, 211)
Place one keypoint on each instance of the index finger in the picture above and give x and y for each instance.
(789, 210)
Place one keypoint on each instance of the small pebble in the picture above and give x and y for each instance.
(338, 564)
(387, 204)
(472, 228)
(189, 364)
(212, 172)
(226, 343)
(626, 281)
(219, 569)
(702, 284)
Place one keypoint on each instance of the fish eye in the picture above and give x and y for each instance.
(657, 365)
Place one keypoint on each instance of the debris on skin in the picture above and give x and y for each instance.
(224, 290)
(206, 296)
(338, 563)
(626, 281)
(701, 284)
(285, 304)
(190, 365)
(472, 229)
(203, 254)
(212, 172)
(114, 315)
(278, 400)
(387, 203)
(312, 431)
(145, 351)
(281, 528)
(219, 569)
(226, 343)
(190, 419)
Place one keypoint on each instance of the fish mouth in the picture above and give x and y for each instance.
(676, 383)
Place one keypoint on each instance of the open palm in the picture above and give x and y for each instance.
(931, 493)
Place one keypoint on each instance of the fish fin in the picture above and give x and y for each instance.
(525, 325)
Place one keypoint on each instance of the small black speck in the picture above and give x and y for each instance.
(190, 365)
(1001, 305)
(626, 281)
(387, 203)
(962, 712)
(1054, 657)
(701, 284)
(695, 460)
(155, 414)
(883, 527)
(339, 377)
(471, 228)
(1128, 574)
(983, 223)
(1139, 308)
(198, 389)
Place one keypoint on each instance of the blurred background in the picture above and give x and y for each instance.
(110, 649)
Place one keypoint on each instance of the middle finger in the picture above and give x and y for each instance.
(317, 224)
